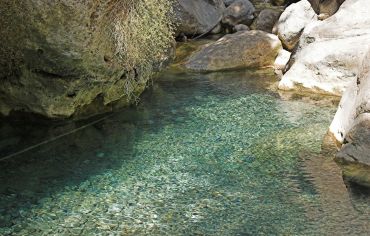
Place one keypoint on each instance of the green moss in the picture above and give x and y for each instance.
(143, 34)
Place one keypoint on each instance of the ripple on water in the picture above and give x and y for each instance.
(208, 154)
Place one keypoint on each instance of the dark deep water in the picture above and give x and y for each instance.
(211, 154)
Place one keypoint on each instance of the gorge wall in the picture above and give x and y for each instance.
(63, 59)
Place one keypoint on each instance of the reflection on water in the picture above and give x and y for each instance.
(210, 154)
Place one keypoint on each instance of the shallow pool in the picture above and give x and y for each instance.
(202, 154)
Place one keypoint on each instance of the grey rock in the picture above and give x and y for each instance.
(239, 12)
(266, 20)
(241, 27)
(354, 156)
(245, 49)
(357, 146)
(197, 16)
(229, 2)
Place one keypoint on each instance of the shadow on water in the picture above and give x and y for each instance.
(201, 154)
(27, 178)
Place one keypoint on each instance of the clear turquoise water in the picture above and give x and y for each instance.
(211, 154)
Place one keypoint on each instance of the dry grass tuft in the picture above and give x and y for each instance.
(142, 31)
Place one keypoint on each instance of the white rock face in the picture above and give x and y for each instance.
(354, 107)
(329, 52)
(351, 126)
(293, 20)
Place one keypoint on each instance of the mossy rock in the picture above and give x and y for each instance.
(64, 59)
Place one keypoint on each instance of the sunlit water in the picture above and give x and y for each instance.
(214, 154)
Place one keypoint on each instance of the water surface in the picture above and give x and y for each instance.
(202, 154)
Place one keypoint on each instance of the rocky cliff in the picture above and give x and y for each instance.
(67, 58)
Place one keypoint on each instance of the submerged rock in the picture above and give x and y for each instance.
(245, 49)
(197, 16)
(66, 58)
(329, 52)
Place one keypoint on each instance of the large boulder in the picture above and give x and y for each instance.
(239, 12)
(78, 58)
(329, 52)
(244, 49)
(293, 21)
(197, 16)
(266, 20)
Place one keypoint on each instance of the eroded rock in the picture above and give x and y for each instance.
(355, 103)
(351, 126)
(329, 52)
